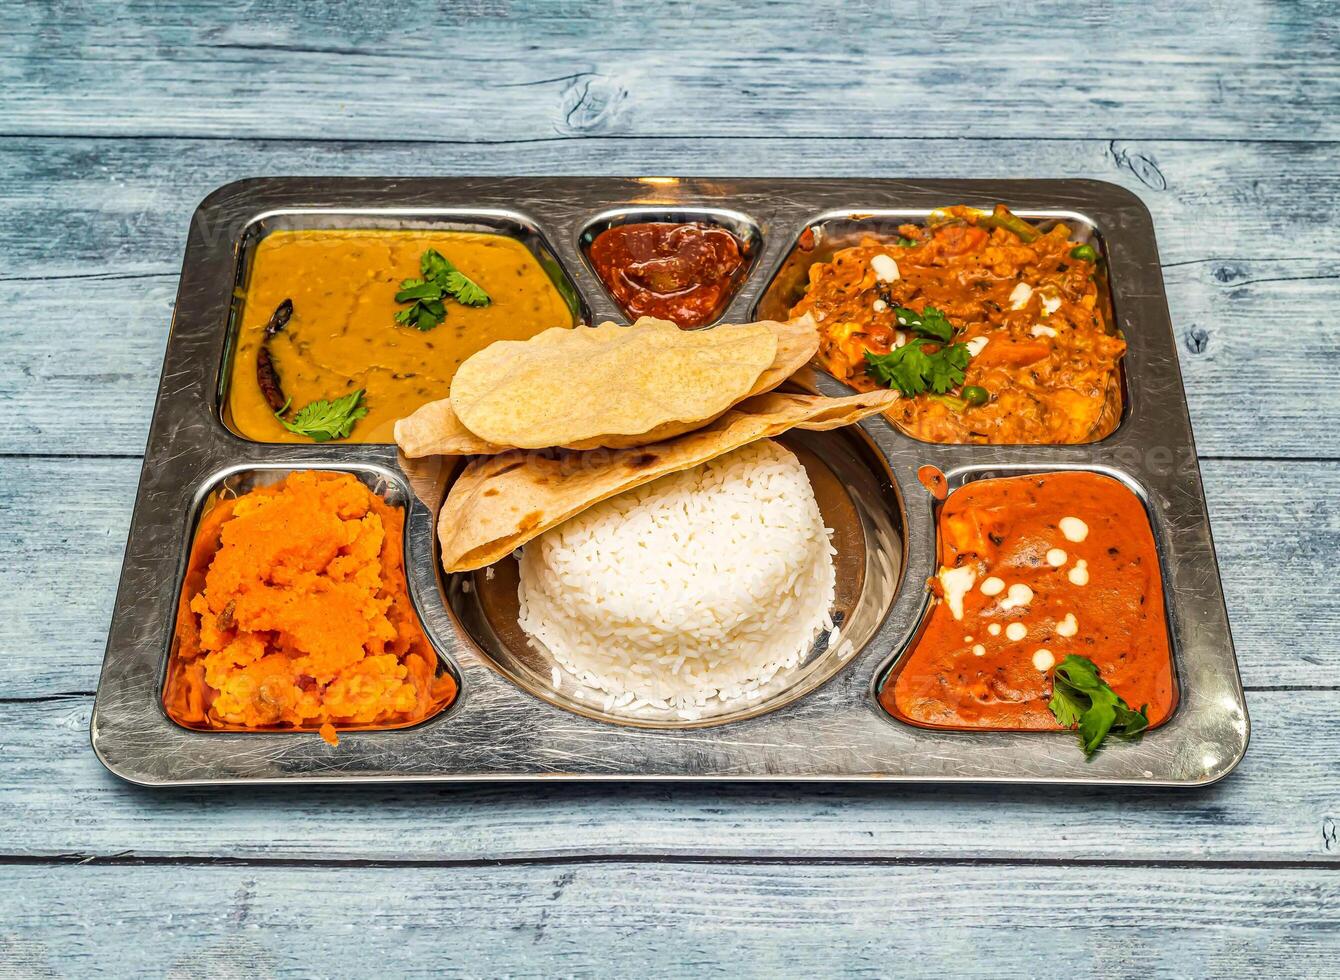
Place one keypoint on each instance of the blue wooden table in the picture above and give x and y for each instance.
(116, 119)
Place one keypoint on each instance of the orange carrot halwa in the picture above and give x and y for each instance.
(295, 614)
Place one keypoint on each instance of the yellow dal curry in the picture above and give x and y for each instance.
(342, 335)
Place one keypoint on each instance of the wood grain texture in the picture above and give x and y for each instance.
(1238, 199)
(669, 920)
(1278, 806)
(1251, 260)
(1274, 525)
(1039, 69)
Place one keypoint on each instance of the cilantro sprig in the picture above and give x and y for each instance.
(930, 322)
(1081, 698)
(426, 309)
(912, 369)
(465, 290)
(927, 363)
(322, 421)
(439, 281)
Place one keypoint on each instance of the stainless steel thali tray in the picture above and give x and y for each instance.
(509, 723)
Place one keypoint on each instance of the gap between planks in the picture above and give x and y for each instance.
(82, 695)
(616, 137)
(128, 859)
(1247, 688)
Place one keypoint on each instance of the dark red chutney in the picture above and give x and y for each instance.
(679, 272)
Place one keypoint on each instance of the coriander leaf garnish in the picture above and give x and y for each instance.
(927, 363)
(912, 370)
(904, 368)
(948, 366)
(424, 314)
(326, 420)
(1080, 697)
(434, 265)
(466, 290)
(930, 322)
(451, 281)
(440, 280)
(426, 309)
(412, 289)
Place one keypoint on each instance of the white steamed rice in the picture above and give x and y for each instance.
(691, 591)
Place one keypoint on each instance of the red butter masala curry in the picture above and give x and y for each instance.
(1034, 569)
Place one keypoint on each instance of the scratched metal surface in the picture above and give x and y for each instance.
(497, 730)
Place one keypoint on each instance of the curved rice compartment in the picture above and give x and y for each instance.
(794, 601)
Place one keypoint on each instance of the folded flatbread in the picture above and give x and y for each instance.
(436, 430)
(565, 386)
(501, 502)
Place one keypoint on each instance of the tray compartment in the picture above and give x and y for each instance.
(737, 223)
(825, 234)
(964, 475)
(240, 480)
(859, 502)
(506, 223)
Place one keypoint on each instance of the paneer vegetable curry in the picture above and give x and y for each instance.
(993, 330)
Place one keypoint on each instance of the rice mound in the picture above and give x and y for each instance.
(695, 589)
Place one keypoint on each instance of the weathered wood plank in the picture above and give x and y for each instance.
(1279, 805)
(66, 520)
(1236, 200)
(58, 383)
(1251, 262)
(1258, 349)
(669, 920)
(502, 70)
